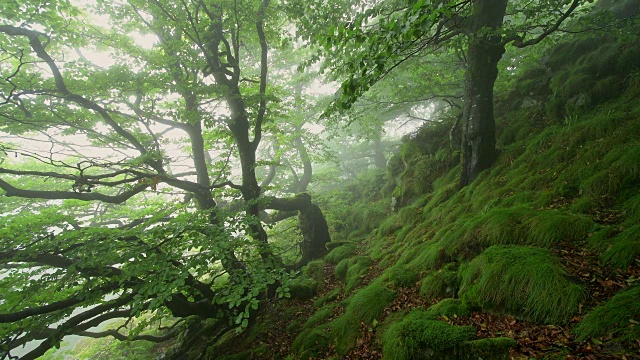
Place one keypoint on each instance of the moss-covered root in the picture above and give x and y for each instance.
(419, 336)
(619, 316)
(524, 281)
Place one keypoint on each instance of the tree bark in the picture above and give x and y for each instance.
(484, 51)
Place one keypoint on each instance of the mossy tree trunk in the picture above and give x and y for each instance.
(484, 51)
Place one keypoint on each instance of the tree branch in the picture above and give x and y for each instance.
(518, 41)
(11, 190)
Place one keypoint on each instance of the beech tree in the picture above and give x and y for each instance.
(114, 217)
(366, 42)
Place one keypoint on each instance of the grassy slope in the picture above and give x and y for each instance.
(567, 180)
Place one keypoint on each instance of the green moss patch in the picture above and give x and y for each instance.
(449, 308)
(523, 281)
(401, 276)
(340, 253)
(438, 284)
(352, 270)
(417, 336)
(364, 306)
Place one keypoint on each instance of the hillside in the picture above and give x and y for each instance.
(539, 257)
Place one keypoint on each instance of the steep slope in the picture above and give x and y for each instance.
(539, 257)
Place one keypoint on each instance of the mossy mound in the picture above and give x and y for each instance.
(620, 317)
(352, 270)
(364, 306)
(417, 336)
(312, 342)
(449, 308)
(625, 248)
(340, 253)
(401, 276)
(523, 281)
(440, 283)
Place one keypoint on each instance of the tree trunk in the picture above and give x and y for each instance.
(314, 228)
(378, 153)
(484, 52)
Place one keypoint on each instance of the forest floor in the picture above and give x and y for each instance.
(533, 340)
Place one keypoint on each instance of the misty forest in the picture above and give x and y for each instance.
(319, 179)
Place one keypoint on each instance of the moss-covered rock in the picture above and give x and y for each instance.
(312, 342)
(417, 336)
(303, 288)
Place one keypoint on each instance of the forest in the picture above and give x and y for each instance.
(289, 179)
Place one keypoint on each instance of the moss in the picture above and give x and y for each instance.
(632, 205)
(438, 284)
(303, 288)
(356, 271)
(314, 270)
(245, 355)
(583, 205)
(409, 215)
(329, 297)
(490, 349)
(624, 248)
(334, 244)
(389, 226)
(449, 307)
(428, 256)
(527, 282)
(320, 316)
(312, 342)
(600, 240)
(364, 306)
(340, 253)
(619, 316)
(416, 336)
(401, 276)
(547, 228)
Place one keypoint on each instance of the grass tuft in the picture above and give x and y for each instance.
(364, 306)
(624, 248)
(524, 281)
(620, 317)
(438, 284)
(401, 276)
(341, 252)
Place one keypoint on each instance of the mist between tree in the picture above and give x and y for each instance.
(183, 166)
